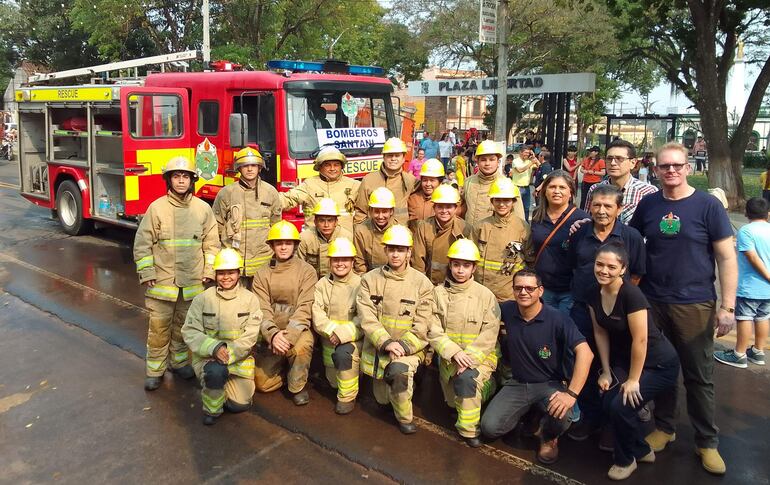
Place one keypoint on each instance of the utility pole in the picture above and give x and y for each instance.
(206, 41)
(501, 121)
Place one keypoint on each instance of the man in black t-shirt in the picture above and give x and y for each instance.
(687, 231)
(538, 339)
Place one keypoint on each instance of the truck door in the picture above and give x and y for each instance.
(156, 128)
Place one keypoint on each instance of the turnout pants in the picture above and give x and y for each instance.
(690, 328)
(398, 389)
(235, 389)
(268, 374)
(514, 400)
(164, 337)
(466, 393)
(342, 368)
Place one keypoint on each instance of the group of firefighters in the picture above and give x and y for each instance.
(239, 299)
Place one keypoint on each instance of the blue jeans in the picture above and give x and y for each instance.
(562, 301)
(525, 200)
(445, 162)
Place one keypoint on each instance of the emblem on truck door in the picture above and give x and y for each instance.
(206, 159)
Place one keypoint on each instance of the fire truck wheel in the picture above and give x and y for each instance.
(69, 208)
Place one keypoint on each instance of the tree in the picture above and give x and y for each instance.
(694, 44)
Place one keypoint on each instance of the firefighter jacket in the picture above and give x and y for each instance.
(175, 245)
(285, 292)
(466, 316)
(505, 248)
(223, 317)
(343, 191)
(477, 203)
(334, 308)
(393, 307)
(370, 252)
(431, 243)
(244, 215)
(402, 184)
(419, 206)
(313, 248)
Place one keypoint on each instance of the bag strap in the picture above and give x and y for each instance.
(553, 232)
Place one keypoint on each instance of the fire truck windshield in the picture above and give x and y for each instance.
(356, 123)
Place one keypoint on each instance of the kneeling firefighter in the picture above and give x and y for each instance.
(221, 328)
(394, 304)
(464, 330)
(335, 319)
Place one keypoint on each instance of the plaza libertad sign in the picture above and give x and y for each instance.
(545, 83)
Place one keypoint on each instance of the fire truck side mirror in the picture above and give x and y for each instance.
(239, 130)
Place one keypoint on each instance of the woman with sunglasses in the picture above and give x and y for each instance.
(637, 361)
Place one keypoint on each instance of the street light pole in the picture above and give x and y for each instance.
(206, 41)
(501, 121)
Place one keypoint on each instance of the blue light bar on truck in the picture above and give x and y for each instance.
(331, 66)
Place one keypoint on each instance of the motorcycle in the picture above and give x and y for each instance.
(6, 149)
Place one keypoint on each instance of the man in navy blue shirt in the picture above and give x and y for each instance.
(538, 340)
(606, 204)
(687, 231)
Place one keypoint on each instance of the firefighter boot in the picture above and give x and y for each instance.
(407, 428)
(344, 407)
(208, 419)
(152, 383)
(301, 398)
(185, 372)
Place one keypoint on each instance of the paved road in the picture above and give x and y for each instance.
(72, 407)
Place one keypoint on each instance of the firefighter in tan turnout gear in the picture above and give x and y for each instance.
(390, 175)
(335, 319)
(370, 250)
(488, 156)
(419, 203)
(503, 240)
(174, 249)
(314, 241)
(245, 210)
(330, 183)
(464, 332)
(285, 291)
(433, 236)
(221, 328)
(394, 304)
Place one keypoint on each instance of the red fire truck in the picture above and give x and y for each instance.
(95, 152)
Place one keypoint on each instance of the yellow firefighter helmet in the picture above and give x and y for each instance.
(228, 258)
(382, 198)
(341, 247)
(394, 145)
(503, 188)
(326, 207)
(248, 156)
(283, 231)
(464, 249)
(180, 164)
(329, 154)
(432, 168)
(445, 194)
(398, 235)
(489, 147)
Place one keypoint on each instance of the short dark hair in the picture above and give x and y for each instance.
(528, 272)
(757, 208)
(421, 150)
(608, 189)
(572, 148)
(614, 247)
(620, 143)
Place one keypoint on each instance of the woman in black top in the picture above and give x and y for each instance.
(637, 361)
(556, 206)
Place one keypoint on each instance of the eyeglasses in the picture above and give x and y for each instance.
(618, 160)
(527, 289)
(676, 166)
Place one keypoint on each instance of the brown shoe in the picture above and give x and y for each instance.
(549, 451)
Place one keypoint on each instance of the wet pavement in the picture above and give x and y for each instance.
(73, 328)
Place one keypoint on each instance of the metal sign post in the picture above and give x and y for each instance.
(501, 120)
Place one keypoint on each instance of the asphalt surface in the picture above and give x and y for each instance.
(72, 407)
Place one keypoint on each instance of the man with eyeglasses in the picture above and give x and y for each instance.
(620, 160)
(687, 231)
(539, 338)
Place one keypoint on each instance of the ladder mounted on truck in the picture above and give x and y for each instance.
(162, 60)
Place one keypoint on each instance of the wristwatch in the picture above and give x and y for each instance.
(727, 309)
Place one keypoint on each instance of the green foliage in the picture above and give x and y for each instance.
(755, 160)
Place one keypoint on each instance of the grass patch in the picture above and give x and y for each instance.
(750, 182)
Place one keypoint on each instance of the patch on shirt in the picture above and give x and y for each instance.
(544, 353)
(670, 224)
